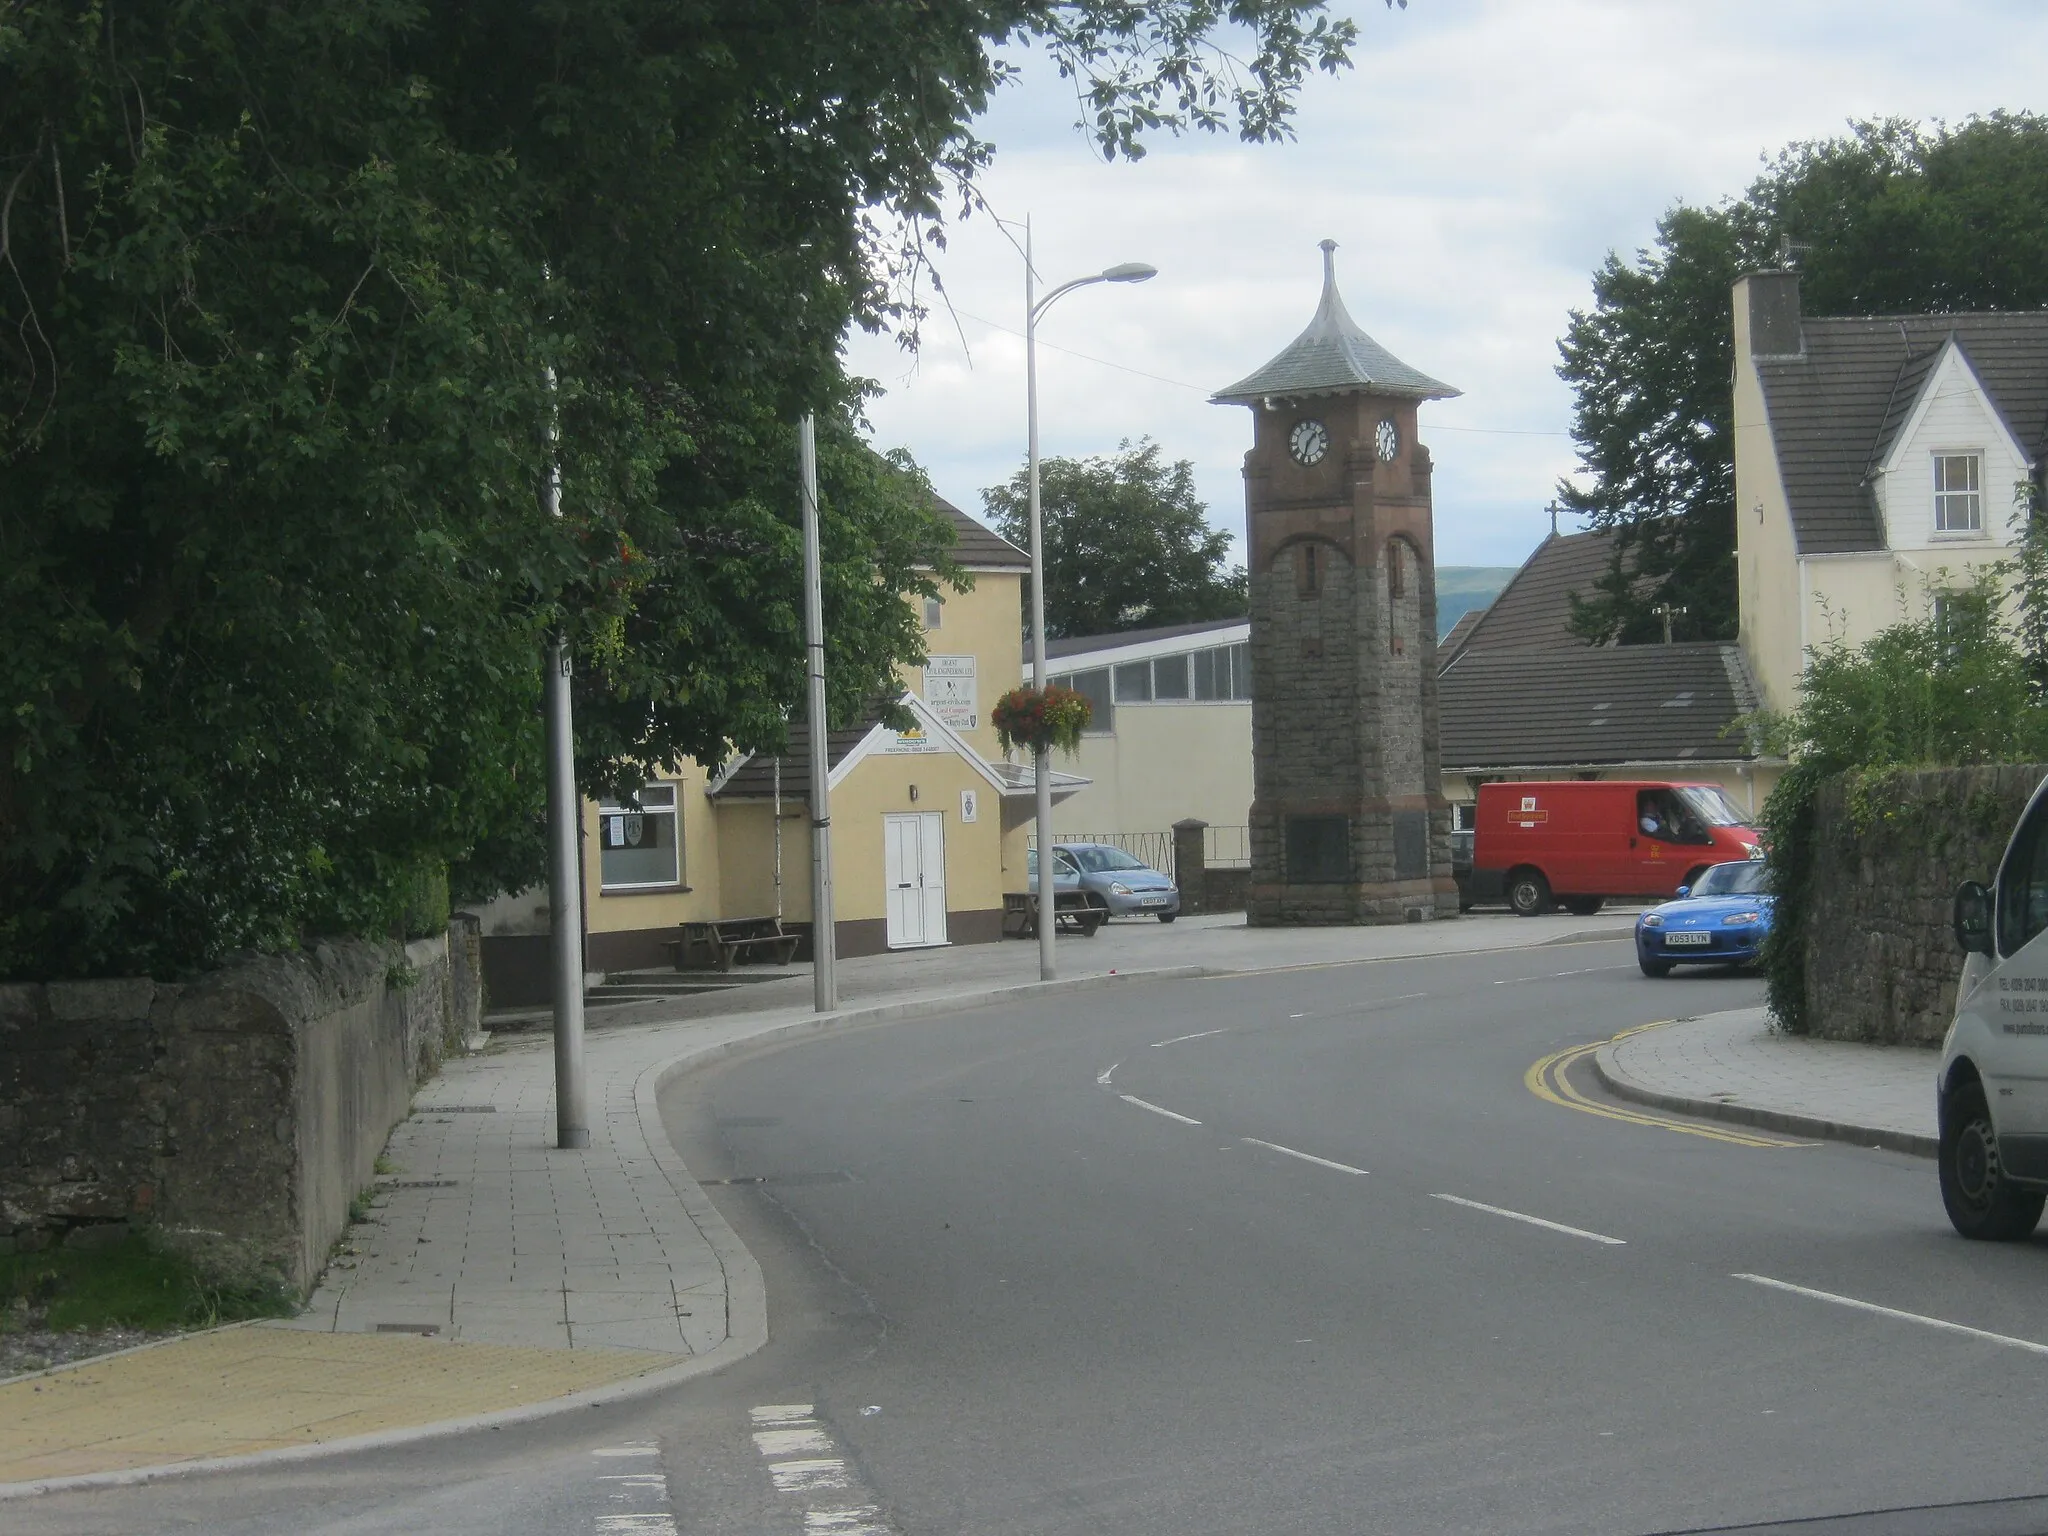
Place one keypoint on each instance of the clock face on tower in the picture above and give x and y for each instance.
(1387, 441)
(1308, 442)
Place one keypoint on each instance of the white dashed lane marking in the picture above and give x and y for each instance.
(1132, 1098)
(806, 1461)
(1534, 1221)
(1896, 1315)
(1176, 1040)
(637, 1500)
(1306, 1157)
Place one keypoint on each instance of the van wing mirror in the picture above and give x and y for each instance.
(1973, 918)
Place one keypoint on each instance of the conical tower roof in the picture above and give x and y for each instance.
(1333, 357)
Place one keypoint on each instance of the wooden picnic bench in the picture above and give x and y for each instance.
(728, 941)
(1079, 912)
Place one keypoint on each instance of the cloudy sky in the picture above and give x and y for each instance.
(1476, 165)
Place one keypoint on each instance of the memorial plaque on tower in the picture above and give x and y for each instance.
(1348, 823)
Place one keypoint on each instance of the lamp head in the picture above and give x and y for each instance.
(1130, 272)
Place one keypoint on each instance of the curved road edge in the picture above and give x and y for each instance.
(1623, 1084)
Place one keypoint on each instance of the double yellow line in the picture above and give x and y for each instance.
(1547, 1080)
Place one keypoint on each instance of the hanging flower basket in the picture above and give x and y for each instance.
(1041, 720)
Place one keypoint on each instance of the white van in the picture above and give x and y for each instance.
(1993, 1087)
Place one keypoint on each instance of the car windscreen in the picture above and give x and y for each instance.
(1097, 860)
(1712, 806)
(1743, 877)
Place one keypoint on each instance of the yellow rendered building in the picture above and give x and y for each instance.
(929, 825)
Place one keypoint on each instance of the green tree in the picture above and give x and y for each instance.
(281, 291)
(1127, 543)
(1888, 218)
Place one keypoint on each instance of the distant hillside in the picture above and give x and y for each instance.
(1461, 588)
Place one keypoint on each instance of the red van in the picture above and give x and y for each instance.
(1535, 844)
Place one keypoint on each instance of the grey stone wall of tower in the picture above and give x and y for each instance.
(1348, 824)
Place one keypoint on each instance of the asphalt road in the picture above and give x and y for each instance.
(1300, 1252)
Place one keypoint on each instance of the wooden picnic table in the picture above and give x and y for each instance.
(727, 941)
(1081, 912)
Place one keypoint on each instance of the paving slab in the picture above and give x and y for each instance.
(252, 1388)
(1736, 1066)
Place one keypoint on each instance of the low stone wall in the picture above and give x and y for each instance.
(1889, 851)
(238, 1114)
(1223, 890)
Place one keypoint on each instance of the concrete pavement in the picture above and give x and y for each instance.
(1734, 1066)
(498, 1277)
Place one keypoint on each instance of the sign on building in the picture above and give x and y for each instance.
(949, 690)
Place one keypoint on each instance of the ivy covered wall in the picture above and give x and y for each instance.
(1867, 862)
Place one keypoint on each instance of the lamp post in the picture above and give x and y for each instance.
(1123, 272)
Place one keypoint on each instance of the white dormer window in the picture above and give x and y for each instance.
(1959, 493)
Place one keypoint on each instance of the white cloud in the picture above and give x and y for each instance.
(1482, 158)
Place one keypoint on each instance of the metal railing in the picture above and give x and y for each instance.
(1153, 848)
(1222, 847)
(1227, 847)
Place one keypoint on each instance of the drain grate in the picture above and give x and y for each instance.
(417, 1183)
(423, 1329)
(455, 1109)
(786, 1178)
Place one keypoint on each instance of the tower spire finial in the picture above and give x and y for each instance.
(1329, 250)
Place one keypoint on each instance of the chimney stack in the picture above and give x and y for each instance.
(1767, 309)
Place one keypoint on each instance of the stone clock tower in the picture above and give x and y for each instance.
(1348, 823)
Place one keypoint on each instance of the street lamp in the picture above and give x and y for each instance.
(1123, 272)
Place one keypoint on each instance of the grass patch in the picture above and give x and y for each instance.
(129, 1284)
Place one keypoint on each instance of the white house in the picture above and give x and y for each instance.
(1879, 462)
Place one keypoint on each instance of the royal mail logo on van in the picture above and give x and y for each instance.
(1528, 815)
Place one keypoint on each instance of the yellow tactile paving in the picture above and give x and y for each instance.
(258, 1388)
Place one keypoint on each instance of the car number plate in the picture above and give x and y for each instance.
(1154, 901)
(1700, 939)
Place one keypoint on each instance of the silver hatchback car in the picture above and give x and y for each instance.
(1131, 887)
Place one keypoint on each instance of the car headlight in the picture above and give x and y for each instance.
(1741, 919)
(1652, 920)
(1118, 888)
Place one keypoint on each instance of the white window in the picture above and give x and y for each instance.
(1170, 677)
(1958, 493)
(934, 611)
(1134, 682)
(640, 845)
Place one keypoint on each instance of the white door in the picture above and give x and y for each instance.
(931, 875)
(914, 871)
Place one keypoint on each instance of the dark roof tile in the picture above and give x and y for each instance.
(755, 778)
(1534, 609)
(1593, 705)
(978, 546)
(1835, 407)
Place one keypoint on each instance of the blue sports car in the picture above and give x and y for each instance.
(1720, 921)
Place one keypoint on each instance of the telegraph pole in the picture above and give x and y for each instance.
(824, 937)
(565, 862)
